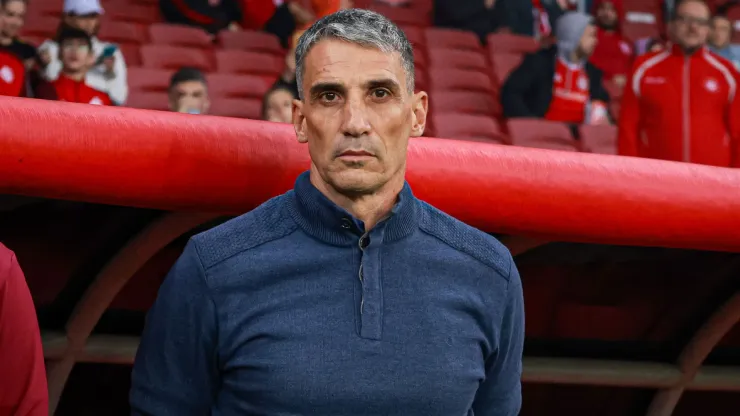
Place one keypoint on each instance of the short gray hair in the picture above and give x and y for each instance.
(361, 27)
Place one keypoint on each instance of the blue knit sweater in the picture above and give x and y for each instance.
(293, 309)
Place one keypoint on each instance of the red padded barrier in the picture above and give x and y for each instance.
(176, 161)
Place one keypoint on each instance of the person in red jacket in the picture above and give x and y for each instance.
(613, 53)
(12, 75)
(76, 55)
(23, 390)
(681, 104)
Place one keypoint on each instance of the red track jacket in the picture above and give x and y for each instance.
(22, 375)
(12, 75)
(78, 92)
(682, 108)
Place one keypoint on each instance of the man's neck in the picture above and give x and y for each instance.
(371, 208)
(74, 75)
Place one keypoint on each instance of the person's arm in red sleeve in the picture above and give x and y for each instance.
(23, 390)
(629, 120)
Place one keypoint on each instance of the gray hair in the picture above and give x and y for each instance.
(361, 27)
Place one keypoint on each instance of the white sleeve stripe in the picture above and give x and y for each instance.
(640, 71)
(725, 72)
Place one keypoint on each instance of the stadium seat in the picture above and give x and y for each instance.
(179, 35)
(237, 107)
(421, 83)
(244, 62)
(416, 36)
(175, 57)
(453, 39)
(542, 134)
(451, 58)
(237, 86)
(123, 32)
(49, 8)
(148, 79)
(467, 102)
(420, 59)
(468, 127)
(504, 63)
(249, 40)
(148, 100)
(637, 31)
(506, 42)
(41, 26)
(402, 15)
(459, 79)
(599, 139)
(133, 12)
(642, 6)
(131, 54)
(34, 40)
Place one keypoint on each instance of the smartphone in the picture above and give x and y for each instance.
(108, 52)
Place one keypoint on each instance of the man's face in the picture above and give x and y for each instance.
(588, 41)
(75, 55)
(189, 97)
(279, 106)
(356, 116)
(690, 27)
(88, 23)
(721, 31)
(13, 16)
(606, 16)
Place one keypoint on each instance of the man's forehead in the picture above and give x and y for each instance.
(336, 59)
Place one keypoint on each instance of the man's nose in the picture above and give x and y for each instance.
(355, 122)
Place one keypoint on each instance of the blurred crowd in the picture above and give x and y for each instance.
(671, 94)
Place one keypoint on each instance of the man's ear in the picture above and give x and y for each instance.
(420, 107)
(299, 121)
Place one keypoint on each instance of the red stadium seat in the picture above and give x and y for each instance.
(237, 107)
(415, 35)
(451, 58)
(175, 57)
(243, 62)
(402, 15)
(123, 32)
(147, 99)
(542, 134)
(453, 39)
(599, 139)
(506, 42)
(468, 127)
(249, 40)
(148, 79)
(41, 25)
(637, 31)
(420, 59)
(132, 12)
(459, 79)
(463, 102)
(34, 40)
(237, 86)
(421, 82)
(131, 54)
(504, 63)
(179, 35)
(642, 6)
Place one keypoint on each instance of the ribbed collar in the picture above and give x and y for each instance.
(326, 221)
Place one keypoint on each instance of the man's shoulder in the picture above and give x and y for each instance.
(6, 262)
(466, 239)
(650, 59)
(268, 222)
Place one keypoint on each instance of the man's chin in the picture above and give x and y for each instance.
(356, 181)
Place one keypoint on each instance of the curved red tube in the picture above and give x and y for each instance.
(182, 162)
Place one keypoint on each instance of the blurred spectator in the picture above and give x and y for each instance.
(528, 17)
(13, 15)
(478, 16)
(277, 104)
(210, 15)
(613, 53)
(279, 17)
(188, 92)
(108, 73)
(720, 37)
(12, 75)
(558, 83)
(681, 104)
(287, 78)
(23, 376)
(75, 53)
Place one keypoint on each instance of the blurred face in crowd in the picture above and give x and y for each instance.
(12, 17)
(75, 55)
(357, 116)
(88, 23)
(588, 41)
(690, 25)
(189, 97)
(279, 106)
(606, 16)
(721, 32)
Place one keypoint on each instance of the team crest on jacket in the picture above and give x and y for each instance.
(711, 85)
(96, 101)
(6, 74)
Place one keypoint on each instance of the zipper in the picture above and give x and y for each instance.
(361, 244)
(686, 110)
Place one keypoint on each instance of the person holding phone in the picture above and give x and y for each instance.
(75, 52)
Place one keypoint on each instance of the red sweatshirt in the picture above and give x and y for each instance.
(78, 92)
(682, 108)
(12, 75)
(23, 389)
(613, 54)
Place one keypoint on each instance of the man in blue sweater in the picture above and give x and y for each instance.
(346, 296)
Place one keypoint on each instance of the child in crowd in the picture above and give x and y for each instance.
(76, 55)
(277, 104)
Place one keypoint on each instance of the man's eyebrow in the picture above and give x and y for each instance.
(388, 83)
(325, 86)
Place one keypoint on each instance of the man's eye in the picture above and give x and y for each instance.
(380, 93)
(329, 96)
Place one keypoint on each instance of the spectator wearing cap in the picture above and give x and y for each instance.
(209, 15)
(188, 92)
(108, 73)
(558, 83)
(75, 54)
(613, 53)
(277, 104)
